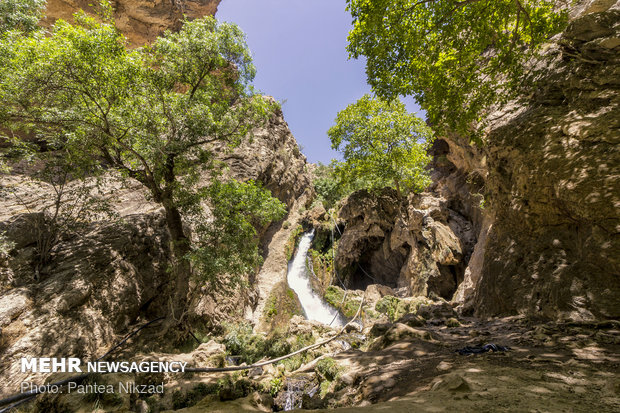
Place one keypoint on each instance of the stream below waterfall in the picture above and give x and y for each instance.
(298, 277)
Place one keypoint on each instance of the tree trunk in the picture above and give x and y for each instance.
(397, 184)
(181, 266)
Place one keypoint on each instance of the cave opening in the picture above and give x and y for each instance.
(450, 278)
(375, 267)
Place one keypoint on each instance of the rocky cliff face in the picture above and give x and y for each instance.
(419, 245)
(96, 287)
(271, 156)
(98, 282)
(548, 241)
(553, 167)
(528, 223)
(141, 21)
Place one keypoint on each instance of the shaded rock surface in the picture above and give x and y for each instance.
(419, 244)
(98, 285)
(99, 282)
(527, 223)
(548, 240)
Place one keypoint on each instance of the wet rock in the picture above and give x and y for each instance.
(291, 396)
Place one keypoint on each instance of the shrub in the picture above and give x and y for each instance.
(291, 244)
(334, 296)
(388, 305)
(328, 368)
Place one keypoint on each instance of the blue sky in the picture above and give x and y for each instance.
(299, 52)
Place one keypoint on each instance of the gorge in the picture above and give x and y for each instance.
(513, 243)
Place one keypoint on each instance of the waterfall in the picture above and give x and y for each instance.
(299, 280)
(294, 395)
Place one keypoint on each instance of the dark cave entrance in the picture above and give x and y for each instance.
(450, 278)
(375, 268)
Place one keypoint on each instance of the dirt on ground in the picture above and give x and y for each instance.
(548, 367)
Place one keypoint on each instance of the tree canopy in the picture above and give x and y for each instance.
(455, 57)
(22, 15)
(383, 144)
(152, 114)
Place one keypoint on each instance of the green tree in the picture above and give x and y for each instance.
(383, 144)
(455, 57)
(152, 114)
(333, 182)
(327, 184)
(22, 15)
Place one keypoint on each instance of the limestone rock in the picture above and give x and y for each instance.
(553, 249)
(421, 244)
(451, 383)
(543, 192)
(97, 286)
(399, 332)
(99, 282)
(412, 320)
(141, 21)
(434, 311)
(272, 157)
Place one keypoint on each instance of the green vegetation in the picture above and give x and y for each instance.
(323, 266)
(328, 368)
(83, 93)
(293, 242)
(383, 144)
(241, 341)
(235, 386)
(332, 183)
(388, 305)
(20, 15)
(329, 185)
(275, 385)
(395, 307)
(456, 58)
(334, 296)
(281, 305)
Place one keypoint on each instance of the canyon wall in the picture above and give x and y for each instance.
(553, 182)
(528, 222)
(141, 21)
(99, 281)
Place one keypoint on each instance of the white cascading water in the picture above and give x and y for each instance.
(299, 280)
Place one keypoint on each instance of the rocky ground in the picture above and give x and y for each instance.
(549, 368)
(409, 364)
